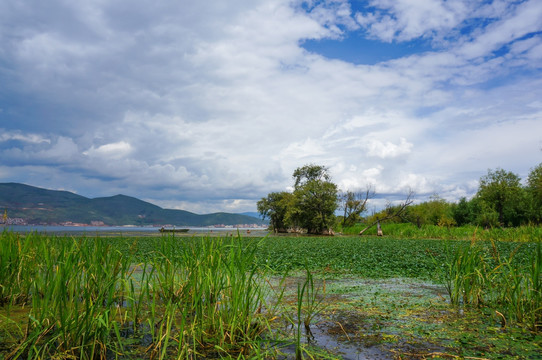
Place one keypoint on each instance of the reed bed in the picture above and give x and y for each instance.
(192, 298)
(82, 298)
(467, 232)
(487, 279)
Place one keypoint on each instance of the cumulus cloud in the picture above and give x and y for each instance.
(18, 136)
(210, 106)
(404, 20)
(110, 151)
(388, 149)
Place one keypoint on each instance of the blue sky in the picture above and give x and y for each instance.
(209, 106)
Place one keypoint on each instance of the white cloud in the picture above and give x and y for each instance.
(388, 149)
(110, 151)
(524, 20)
(405, 20)
(18, 136)
(63, 149)
(209, 106)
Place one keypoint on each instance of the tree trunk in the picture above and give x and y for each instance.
(397, 213)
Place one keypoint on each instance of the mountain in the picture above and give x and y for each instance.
(41, 206)
(253, 214)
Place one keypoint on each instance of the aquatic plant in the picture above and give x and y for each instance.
(480, 278)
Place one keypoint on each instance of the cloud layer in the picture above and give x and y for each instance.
(209, 106)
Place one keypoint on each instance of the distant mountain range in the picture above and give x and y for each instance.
(41, 206)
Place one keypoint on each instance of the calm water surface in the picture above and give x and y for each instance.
(126, 230)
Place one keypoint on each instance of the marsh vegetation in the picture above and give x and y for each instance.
(274, 297)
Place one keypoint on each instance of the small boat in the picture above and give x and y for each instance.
(164, 230)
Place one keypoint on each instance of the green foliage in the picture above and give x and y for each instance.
(534, 189)
(205, 297)
(315, 198)
(311, 206)
(501, 191)
(501, 201)
(354, 204)
(82, 296)
(275, 207)
(475, 277)
(308, 173)
(369, 257)
(463, 213)
(436, 211)
(317, 201)
(466, 232)
(486, 216)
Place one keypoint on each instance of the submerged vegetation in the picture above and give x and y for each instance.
(275, 297)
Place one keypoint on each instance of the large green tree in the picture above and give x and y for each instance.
(501, 191)
(275, 207)
(534, 189)
(436, 211)
(463, 212)
(311, 206)
(315, 198)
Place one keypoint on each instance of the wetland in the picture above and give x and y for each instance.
(206, 297)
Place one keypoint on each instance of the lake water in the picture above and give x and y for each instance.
(122, 230)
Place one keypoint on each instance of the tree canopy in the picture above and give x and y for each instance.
(275, 208)
(311, 206)
(501, 200)
(534, 189)
(501, 191)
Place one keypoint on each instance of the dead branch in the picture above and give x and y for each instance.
(393, 212)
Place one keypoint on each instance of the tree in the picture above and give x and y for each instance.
(501, 191)
(534, 189)
(275, 207)
(315, 198)
(311, 206)
(463, 212)
(486, 216)
(391, 212)
(354, 204)
(436, 211)
(311, 172)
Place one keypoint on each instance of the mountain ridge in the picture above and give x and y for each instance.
(35, 205)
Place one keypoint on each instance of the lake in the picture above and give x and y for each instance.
(126, 230)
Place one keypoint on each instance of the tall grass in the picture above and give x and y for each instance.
(468, 232)
(310, 299)
(83, 299)
(513, 289)
(73, 299)
(18, 260)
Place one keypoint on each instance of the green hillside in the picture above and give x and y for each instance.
(42, 206)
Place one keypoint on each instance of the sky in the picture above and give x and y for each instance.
(208, 106)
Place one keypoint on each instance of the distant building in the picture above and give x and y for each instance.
(13, 221)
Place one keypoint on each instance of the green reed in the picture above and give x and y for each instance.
(308, 305)
(18, 260)
(193, 297)
(75, 299)
(526, 233)
(481, 277)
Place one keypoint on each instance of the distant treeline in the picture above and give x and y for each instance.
(501, 201)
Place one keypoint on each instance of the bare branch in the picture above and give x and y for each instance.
(354, 203)
(393, 212)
